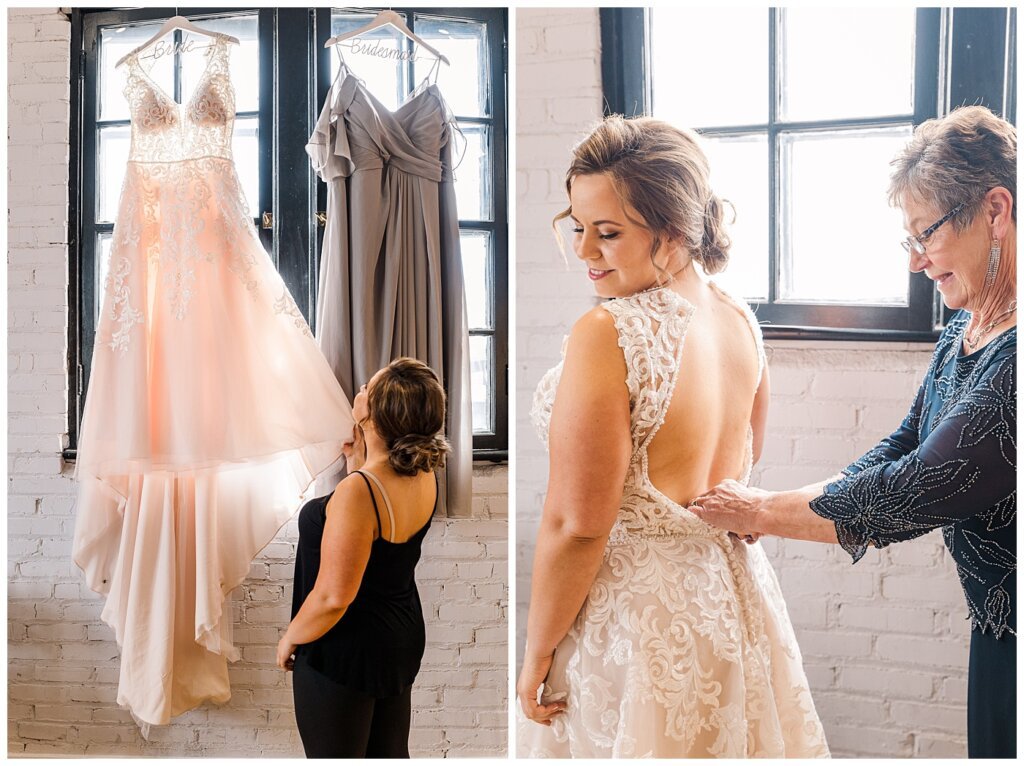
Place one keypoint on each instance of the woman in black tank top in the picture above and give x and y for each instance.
(357, 635)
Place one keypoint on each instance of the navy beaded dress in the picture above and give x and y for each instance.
(952, 464)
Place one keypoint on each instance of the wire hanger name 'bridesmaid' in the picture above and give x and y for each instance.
(375, 48)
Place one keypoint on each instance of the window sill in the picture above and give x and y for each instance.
(70, 454)
(785, 332)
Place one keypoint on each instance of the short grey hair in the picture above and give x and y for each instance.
(956, 159)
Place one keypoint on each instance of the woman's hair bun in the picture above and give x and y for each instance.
(407, 406)
(413, 453)
(713, 254)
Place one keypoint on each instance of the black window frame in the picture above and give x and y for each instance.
(962, 55)
(294, 236)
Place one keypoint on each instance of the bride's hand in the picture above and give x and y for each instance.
(732, 506)
(535, 671)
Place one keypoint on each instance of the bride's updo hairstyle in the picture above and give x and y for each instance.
(407, 406)
(661, 172)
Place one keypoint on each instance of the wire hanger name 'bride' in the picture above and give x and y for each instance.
(163, 48)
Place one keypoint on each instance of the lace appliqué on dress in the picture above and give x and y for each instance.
(121, 311)
(181, 166)
(285, 305)
(683, 646)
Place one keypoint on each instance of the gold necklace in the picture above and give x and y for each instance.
(972, 343)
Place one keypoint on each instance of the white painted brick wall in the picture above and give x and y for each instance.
(62, 660)
(885, 642)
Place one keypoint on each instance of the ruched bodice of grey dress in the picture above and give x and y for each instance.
(391, 279)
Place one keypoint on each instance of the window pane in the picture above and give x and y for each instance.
(245, 59)
(477, 271)
(102, 263)
(481, 355)
(463, 82)
(739, 173)
(840, 237)
(373, 57)
(245, 147)
(114, 143)
(847, 62)
(115, 42)
(473, 173)
(709, 66)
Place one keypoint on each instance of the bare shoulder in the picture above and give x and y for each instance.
(351, 499)
(594, 339)
(594, 368)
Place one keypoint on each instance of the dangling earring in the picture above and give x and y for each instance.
(993, 263)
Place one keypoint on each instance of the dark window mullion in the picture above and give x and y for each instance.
(925, 305)
(465, 120)
(497, 48)
(265, 35)
(774, 169)
(176, 89)
(410, 68)
(87, 253)
(293, 223)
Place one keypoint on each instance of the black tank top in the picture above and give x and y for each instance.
(377, 645)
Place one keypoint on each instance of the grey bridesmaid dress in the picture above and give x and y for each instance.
(391, 280)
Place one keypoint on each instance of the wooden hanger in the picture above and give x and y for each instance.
(175, 22)
(382, 19)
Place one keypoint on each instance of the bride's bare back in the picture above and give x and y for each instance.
(705, 437)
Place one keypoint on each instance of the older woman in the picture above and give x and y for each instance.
(952, 462)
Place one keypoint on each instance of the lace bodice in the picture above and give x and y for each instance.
(652, 329)
(164, 130)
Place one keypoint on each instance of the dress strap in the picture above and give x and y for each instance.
(387, 500)
(376, 511)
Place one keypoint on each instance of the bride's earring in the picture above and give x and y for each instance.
(994, 255)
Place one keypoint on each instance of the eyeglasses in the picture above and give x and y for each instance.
(916, 244)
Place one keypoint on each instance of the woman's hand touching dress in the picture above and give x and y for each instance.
(734, 507)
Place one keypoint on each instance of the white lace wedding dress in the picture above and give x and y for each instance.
(210, 409)
(683, 647)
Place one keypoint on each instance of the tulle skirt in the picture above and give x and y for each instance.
(210, 412)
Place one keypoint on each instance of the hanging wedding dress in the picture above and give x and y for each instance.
(683, 647)
(210, 408)
(391, 267)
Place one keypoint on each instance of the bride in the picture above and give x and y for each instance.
(651, 633)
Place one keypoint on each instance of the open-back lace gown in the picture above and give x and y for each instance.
(683, 647)
(210, 408)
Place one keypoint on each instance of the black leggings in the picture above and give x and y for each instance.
(337, 721)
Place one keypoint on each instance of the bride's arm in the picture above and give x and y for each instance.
(759, 414)
(589, 443)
